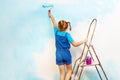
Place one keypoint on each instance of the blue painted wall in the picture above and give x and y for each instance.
(26, 36)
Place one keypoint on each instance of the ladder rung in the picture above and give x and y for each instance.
(93, 64)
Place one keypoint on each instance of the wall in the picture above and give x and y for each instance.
(27, 50)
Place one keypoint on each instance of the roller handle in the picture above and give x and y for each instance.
(49, 11)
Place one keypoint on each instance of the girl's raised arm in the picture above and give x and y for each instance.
(52, 18)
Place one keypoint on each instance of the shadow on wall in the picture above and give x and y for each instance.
(75, 52)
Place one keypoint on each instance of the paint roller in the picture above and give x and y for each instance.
(48, 6)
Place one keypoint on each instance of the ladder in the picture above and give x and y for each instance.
(81, 62)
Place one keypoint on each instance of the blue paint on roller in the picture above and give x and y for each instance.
(47, 6)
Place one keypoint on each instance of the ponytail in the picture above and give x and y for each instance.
(69, 24)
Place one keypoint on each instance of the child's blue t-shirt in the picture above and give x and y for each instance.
(69, 37)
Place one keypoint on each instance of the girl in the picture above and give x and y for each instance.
(62, 41)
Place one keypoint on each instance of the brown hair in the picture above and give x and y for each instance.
(63, 25)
